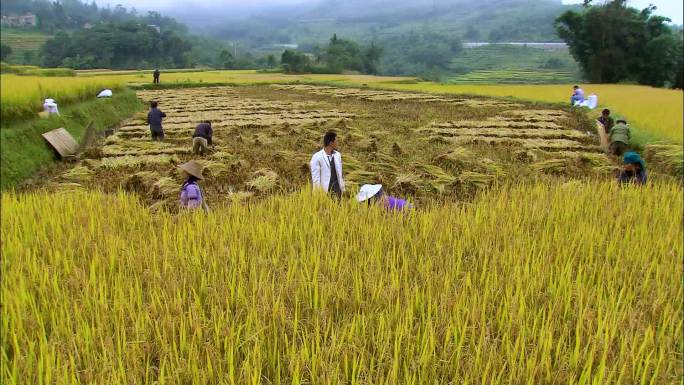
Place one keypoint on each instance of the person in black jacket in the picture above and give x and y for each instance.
(201, 139)
(155, 76)
(154, 119)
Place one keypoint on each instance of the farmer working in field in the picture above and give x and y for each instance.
(604, 124)
(577, 96)
(191, 196)
(619, 137)
(155, 76)
(634, 170)
(154, 119)
(50, 107)
(201, 139)
(374, 193)
(606, 121)
(326, 167)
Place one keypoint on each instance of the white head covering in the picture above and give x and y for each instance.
(368, 191)
(106, 93)
(48, 100)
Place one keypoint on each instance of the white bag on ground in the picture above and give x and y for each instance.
(590, 102)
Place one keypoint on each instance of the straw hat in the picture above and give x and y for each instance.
(368, 191)
(193, 168)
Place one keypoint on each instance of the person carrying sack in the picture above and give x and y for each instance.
(191, 196)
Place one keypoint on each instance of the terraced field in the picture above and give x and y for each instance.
(431, 148)
(514, 77)
(22, 41)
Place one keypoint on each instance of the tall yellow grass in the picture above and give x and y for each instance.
(22, 96)
(656, 113)
(238, 77)
(530, 285)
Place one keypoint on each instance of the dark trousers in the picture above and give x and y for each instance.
(157, 134)
(618, 148)
(155, 80)
(334, 189)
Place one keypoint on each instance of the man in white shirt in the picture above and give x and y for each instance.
(326, 167)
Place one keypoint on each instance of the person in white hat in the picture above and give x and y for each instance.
(50, 106)
(105, 93)
(191, 196)
(373, 193)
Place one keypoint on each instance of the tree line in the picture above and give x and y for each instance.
(616, 43)
(338, 56)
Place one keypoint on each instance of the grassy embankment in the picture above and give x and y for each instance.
(24, 151)
(563, 288)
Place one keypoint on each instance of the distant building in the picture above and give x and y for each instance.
(155, 27)
(25, 20)
(87, 26)
(286, 46)
(28, 20)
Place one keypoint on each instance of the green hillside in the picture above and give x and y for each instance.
(22, 42)
(365, 20)
(503, 63)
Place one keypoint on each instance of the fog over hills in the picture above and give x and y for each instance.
(296, 22)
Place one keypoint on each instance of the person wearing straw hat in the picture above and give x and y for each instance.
(374, 193)
(634, 170)
(191, 196)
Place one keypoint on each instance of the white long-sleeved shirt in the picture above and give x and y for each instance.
(321, 172)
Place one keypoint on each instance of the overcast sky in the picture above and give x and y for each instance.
(669, 8)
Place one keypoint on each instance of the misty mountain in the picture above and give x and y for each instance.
(375, 20)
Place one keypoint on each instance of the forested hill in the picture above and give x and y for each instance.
(366, 20)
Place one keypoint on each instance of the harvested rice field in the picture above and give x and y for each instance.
(424, 147)
(524, 261)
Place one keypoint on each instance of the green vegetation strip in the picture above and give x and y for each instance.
(24, 151)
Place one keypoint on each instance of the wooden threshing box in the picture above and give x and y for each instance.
(65, 144)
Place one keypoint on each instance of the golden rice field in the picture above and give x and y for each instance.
(425, 147)
(655, 112)
(22, 96)
(560, 283)
(524, 263)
